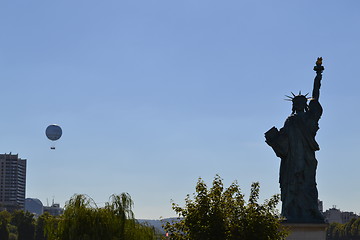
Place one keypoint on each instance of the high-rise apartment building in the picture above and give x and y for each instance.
(12, 182)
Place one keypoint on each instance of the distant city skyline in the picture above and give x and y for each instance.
(152, 95)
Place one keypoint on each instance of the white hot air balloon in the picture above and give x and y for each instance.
(53, 132)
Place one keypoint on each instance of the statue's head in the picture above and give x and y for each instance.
(299, 103)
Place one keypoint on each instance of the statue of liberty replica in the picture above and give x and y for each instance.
(295, 144)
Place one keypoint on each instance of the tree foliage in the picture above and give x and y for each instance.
(83, 220)
(350, 230)
(219, 213)
(40, 226)
(5, 218)
(25, 223)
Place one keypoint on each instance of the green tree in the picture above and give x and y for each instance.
(349, 230)
(13, 232)
(25, 223)
(219, 213)
(5, 218)
(83, 220)
(355, 229)
(40, 226)
(334, 231)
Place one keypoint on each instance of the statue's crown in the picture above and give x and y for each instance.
(298, 97)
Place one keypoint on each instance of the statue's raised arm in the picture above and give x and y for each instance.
(317, 81)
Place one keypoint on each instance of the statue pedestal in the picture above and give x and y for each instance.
(306, 231)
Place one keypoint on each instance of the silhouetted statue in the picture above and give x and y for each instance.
(295, 144)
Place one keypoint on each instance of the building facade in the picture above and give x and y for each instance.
(34, 206)
(12, 182)
(334, 215)
(54, 209)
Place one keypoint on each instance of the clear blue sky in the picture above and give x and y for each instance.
(152, 95)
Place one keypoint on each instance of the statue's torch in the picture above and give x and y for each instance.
(319, 68)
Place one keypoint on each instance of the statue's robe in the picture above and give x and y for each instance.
(295, 144)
